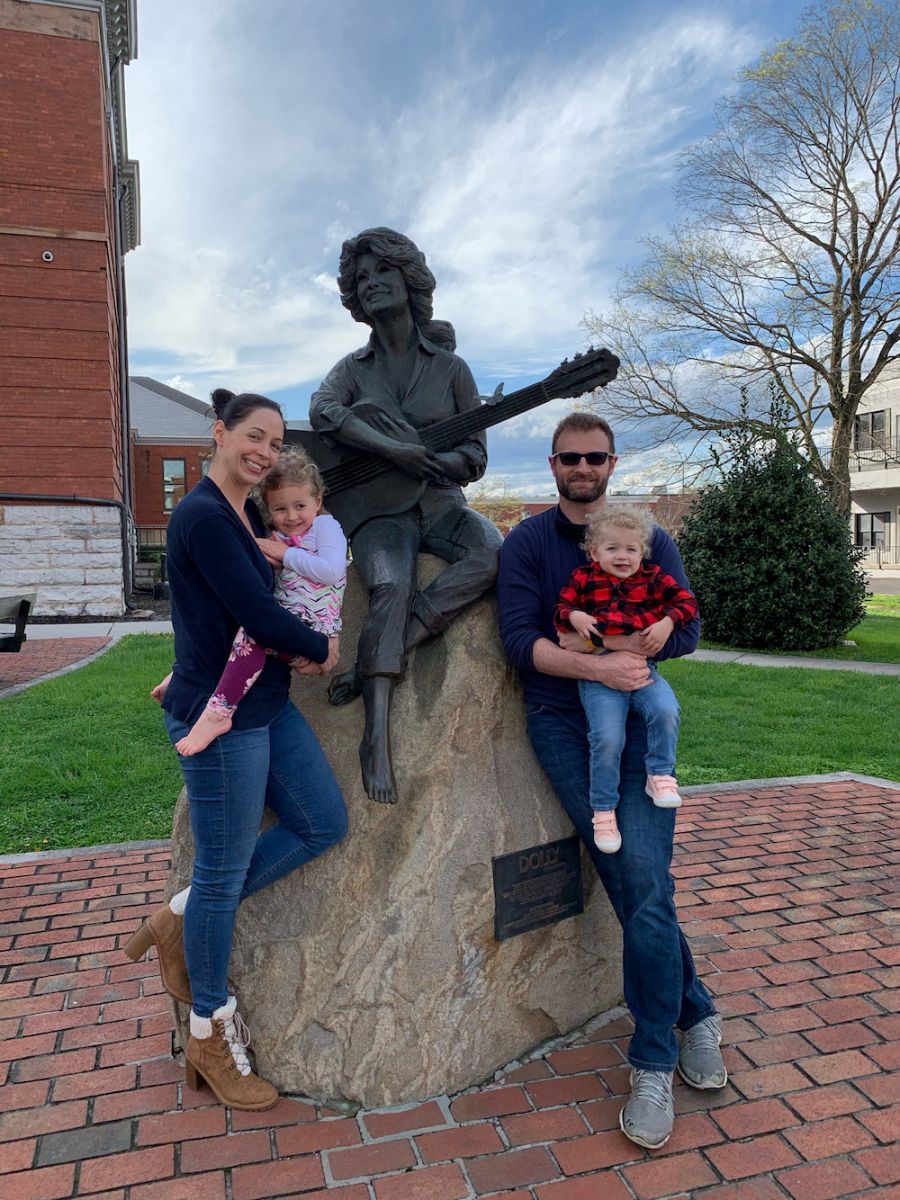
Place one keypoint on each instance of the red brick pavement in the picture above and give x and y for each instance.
(785, 895)
(41, 657)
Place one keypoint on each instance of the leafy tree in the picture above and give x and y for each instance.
(767, 553)
(502, 507)
(789, 266)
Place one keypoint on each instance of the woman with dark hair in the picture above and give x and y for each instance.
(220, 580)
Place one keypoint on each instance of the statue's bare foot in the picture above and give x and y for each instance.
(377, 773)
(344, 688)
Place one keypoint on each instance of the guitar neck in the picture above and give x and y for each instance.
(572, 379)
(443, 435)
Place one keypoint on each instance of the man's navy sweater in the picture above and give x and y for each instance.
(536, 562)
(220, 581)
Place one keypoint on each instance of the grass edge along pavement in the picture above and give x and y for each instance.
(877, 637)
(84, 758)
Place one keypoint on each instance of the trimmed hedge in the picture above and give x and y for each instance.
(769, 557)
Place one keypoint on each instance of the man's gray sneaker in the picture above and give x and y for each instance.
(700, 1061)
(648, 1116)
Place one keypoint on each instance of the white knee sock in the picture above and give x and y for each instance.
(178, 903)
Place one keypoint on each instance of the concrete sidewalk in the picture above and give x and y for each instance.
(785, 893)
(95, 629)
(746, 659)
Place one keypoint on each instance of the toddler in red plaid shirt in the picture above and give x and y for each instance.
(616, 595)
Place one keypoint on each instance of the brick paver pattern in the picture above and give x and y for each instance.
(42, 657)
(785, 896)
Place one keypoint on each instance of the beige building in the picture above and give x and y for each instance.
(875, 473)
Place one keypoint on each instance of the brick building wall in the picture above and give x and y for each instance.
(147, 465)
(60, 402)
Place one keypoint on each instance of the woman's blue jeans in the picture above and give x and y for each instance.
(280, 766)
(662, 988)
(607, 711)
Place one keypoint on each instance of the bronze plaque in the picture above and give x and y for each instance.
(537, 886)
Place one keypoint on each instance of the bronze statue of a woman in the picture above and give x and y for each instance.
(378, 401)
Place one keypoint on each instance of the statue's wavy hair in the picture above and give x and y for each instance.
(401, 252)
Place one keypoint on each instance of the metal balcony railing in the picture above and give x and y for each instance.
(875, 454)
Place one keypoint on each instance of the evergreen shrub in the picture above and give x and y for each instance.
(769, 557)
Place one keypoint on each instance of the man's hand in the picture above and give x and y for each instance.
(569, 640)
(655, 636)
(273, 549)
(303, 666)
(622, 671)
(626, 641)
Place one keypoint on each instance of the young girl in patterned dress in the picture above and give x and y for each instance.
(312, 551)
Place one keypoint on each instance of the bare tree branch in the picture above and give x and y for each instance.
(788, 269)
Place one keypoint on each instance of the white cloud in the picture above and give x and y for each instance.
(268, 133)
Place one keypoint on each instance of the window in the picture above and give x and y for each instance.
(872, 529)
(174, 476)
(869, 430)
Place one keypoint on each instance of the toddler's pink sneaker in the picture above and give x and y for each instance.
(663, 791)
(606, 832)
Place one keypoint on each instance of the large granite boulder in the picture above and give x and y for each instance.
(372, 974)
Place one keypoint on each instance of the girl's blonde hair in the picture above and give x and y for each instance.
(294, 466)
(620, 516)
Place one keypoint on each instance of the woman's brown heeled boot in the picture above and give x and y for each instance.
(216, 1053)
(165, 930)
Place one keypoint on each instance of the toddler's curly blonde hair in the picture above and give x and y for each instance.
(294, 466)
(619, 516)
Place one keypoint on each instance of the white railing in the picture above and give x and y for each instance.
(881, 556)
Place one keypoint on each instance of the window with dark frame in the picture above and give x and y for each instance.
(869, 430)
(873, 529)
(174, 482)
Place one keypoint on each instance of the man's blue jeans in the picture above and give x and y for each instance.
(662, 989)
(280, 766)
(607, 711)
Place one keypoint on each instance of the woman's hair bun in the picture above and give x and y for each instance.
(220, 399)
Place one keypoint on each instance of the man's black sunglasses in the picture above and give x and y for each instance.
(593, 458)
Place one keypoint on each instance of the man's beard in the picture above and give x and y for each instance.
(582, 491)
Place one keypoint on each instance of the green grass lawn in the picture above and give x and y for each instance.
(84, 758)
(877, 636)
(741, 722)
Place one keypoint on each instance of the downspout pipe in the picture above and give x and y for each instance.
(122, 315)
(97, 502)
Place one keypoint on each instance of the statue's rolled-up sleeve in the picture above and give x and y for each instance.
(329, 406)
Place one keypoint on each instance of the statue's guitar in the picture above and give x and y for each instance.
(360, 485)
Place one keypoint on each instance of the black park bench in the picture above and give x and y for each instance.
(15, 609)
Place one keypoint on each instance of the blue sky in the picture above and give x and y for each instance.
(525, 145)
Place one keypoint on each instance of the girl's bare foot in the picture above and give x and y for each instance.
(210, 726)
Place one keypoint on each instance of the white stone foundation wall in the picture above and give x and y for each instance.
(71, 555)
